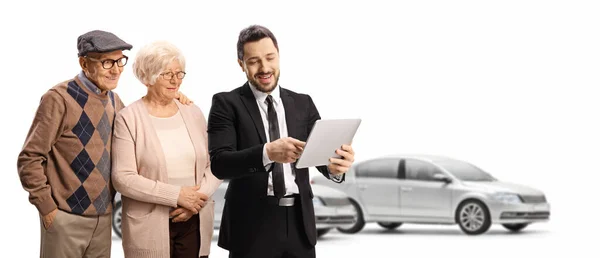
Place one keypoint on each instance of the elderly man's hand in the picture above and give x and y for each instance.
(184, 99)
(49, 218)
(340, 166)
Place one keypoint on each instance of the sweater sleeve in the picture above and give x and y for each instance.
(44, 131)
(125, 176)
(118, 103)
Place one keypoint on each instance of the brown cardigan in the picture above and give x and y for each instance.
(139, 174)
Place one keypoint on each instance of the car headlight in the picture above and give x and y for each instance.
(507, 197)
(318, 202)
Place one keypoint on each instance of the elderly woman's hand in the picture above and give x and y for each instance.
(181, 214)
(190, 199)
(184, 99)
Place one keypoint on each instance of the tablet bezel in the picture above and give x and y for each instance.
(349, 127)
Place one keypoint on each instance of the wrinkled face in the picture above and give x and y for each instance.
(261, 64)
(105, 79)
(168, 82)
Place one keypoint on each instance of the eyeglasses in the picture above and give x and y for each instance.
(109, 63)
(169, 75)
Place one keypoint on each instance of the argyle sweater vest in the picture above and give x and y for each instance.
(69, 144)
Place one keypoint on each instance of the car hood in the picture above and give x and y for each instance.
(327, 192)
(498, 186)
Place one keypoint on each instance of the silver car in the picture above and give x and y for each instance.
(332, 209)
(437, 190)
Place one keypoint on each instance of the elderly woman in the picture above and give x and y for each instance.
(161, 164)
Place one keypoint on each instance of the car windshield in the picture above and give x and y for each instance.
(465, 171)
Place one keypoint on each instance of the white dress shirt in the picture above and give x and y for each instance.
(261, 100)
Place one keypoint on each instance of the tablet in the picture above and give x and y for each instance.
(327, 136)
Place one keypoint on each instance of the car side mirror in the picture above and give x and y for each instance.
(442, 177)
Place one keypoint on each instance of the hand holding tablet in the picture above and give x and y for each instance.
(341, 165)
(326, 137)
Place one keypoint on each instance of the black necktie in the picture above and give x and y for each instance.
(278, 182)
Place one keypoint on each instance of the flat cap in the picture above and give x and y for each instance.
(100, 42)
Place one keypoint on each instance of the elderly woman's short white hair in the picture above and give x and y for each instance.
(152, 59)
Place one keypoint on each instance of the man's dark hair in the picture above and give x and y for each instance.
(252, 34)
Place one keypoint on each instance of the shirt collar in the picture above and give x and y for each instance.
(261, 96)
(89, 84)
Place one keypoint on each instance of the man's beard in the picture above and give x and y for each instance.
(265, 89)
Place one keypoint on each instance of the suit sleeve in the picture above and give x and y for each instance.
(227, 162)
(313, 116)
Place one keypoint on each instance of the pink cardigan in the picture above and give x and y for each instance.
(139, 173)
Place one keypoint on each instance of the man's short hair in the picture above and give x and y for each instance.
(252, 34)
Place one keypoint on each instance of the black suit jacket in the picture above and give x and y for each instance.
(236, 136)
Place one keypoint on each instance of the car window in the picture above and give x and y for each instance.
(420, 170)
(379, 168)
(465, 171)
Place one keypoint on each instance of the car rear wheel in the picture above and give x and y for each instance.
(323, 231)
(117, 218)
(389, 225)
(473, 217)
(360, 221)
(516, 227)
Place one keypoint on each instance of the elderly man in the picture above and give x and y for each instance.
(65, 162)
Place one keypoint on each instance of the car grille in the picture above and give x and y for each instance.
(336, 201)
(525, 215)
(533, 198)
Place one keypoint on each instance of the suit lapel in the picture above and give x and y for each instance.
(290, 120)
(252, 107)
(290, 112)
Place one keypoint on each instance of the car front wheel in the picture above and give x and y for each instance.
(116, 219)
(473, 217)
(515, 227)
(360, 221)
(389, 225)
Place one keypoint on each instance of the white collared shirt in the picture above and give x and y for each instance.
(261, 97)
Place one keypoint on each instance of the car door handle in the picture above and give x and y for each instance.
(362, 187)
(406, 189)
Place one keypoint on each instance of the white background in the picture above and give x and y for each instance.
(510, 86)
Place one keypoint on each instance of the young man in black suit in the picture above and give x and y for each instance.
(255, 134)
